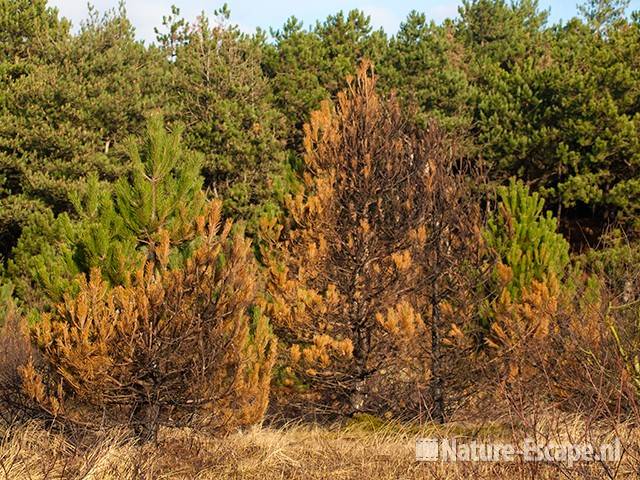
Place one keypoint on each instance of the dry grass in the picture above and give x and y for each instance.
(365, 449)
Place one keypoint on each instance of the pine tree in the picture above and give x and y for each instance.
(501, 33)
(27, 27)
(115, 228)
(293, 66)
(66, 98)
(524, 239)
(28, 32)
(556, 107)
(349, 286)
(165, 188)
(176, 347)
(425, 64)
(601, 14)
(525, 298)
(218, 89)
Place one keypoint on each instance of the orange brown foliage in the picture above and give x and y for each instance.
(175, 346)
(349, 281)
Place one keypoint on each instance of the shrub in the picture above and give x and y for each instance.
(15, 350)
(174, 347)
(578, 353)
(617, 264)
(529, 257)
(617, 268)
(627, 342)
(522, 310)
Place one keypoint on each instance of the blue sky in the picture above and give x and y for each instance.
(249, 14)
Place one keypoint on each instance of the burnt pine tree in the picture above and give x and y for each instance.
(349, 286)
(175, 347)
(451, 260)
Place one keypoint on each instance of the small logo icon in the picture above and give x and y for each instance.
(427, 449)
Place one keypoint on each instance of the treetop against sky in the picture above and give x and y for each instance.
(249, 14)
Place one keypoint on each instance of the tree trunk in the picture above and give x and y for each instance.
(437, 381)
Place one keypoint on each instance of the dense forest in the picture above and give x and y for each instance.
(318, 223)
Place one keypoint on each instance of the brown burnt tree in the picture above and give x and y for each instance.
(454, 268)
(177, 347)
(350, 284)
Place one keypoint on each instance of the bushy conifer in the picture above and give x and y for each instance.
(115, 227)
(531, 259)
(174, 347)
(524, 239)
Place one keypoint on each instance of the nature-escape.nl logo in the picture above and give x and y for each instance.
(455, 450)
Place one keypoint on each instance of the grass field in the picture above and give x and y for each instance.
(365, 448)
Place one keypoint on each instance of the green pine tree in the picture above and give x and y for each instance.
(522, 237)
(114, 227)
(500, 32)
(293, 65)
(603, 14)
(425, 64)
(218, 89)
(63, 99)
